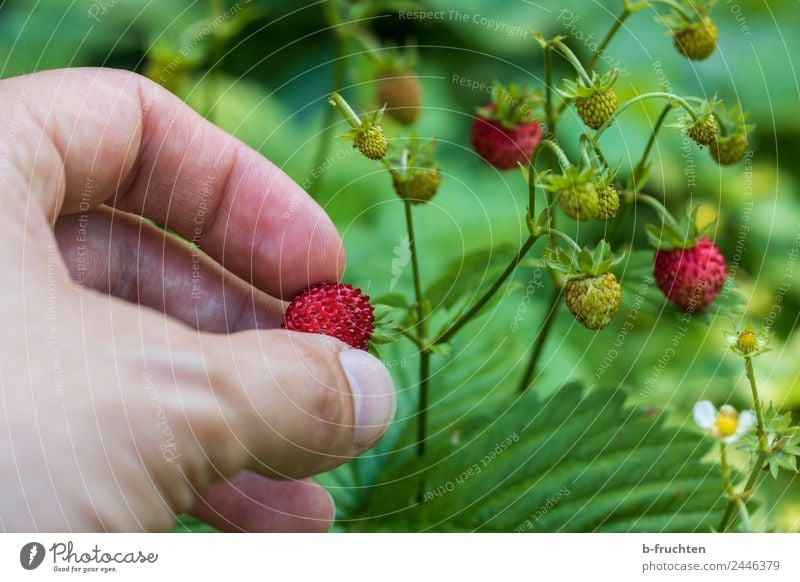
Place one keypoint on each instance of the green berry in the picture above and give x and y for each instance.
(421, 186)
(593, 300)
(608, 203)
(579, 202)
(729, 150)
(595, 109)
(697, 41)
(704, 131)
(372, 143)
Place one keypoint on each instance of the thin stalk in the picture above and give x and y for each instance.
(548, 77)
(643, 97)
(662, 211)
(563, 161)
(464, 319)
(726, 470)
(728, 517)
(424, 355)
(764, 450)
(760, 426)
(573, 60)
(626, 12)
(676, 7)
(544, 332)
(649, 147)
(563, 236)
(637, 171)
(343, 107)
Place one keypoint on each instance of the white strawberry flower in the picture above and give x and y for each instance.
(726, 423)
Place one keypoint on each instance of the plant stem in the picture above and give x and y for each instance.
(424, 354)
(636, 175)
(548, 79)
(726, 470)
(676, 7)
(544, 331)
(643, 97)
(760, 426)
(662, 211)
(607, 39)
(567, 53)
(464, 319)
(563, 236)
(764, 450)
(562, 160)
(637, 171)
(727, 518)
(343, 107)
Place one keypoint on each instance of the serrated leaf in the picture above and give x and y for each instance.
(611, 468)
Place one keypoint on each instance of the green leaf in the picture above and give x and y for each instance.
(469, 275)
(577, 461)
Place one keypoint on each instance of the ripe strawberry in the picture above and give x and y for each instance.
(579, 201)
(608, 202)
(372, 143)
(704, 130)
(335, 309)
(504, 147)
(697, 40)
(402, 95)
(593, 300)
(691, 277)
(730, 149)
(596, 108)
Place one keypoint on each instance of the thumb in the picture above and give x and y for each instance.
(299, 404)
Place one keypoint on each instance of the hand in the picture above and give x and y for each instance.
(140, 378)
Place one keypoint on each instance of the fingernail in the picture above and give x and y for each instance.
(373, 395)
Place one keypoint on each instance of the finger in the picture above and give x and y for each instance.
(86, 135)
(121, 254)
(252, 503)
(294, 404)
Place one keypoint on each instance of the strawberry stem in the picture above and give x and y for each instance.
(672, 98)
(541, 337)
(626, 12)
(424, 354)
(567, 53)
(740, 500)
(344, 108)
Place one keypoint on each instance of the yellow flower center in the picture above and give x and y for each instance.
(727, 421)
(747, 342)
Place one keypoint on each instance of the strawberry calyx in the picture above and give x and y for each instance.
(511, 106)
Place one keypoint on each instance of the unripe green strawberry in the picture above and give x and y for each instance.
(595, 109)
(730, 149)
(401, 93)
(608, 202)
(422, 185)
(698, 40)
(593, 300)
(372, 143)
(704, 131)
(579, 201)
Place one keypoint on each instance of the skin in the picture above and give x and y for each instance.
(140, 378)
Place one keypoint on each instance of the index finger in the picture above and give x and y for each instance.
(127, 141)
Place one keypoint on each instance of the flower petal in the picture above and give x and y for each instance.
(704, 414)
(747, 420)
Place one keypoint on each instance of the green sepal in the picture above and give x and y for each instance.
(580, 89)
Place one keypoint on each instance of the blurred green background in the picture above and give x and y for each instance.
(266, 79)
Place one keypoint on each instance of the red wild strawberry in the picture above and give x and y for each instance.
(505, 147)
(693, 277)
(335, 309)
(506, 132)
